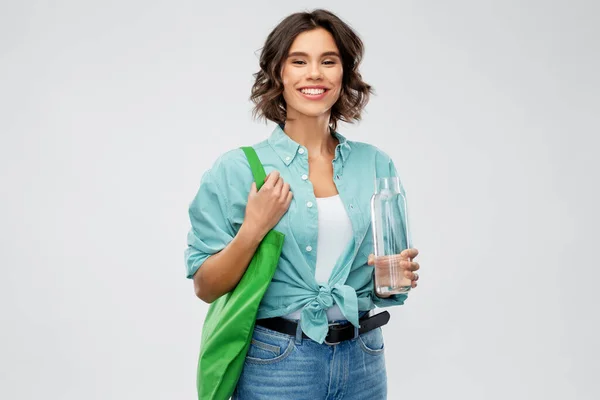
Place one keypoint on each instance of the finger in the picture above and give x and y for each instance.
(289, 198)
(278, 186)
(371, 259)
(413, 284)
(409, 253)
(271, 179)
(414, 266)
(253, 188)
(406, 265)
(410, 275)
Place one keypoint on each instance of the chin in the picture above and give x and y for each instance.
(314, 111)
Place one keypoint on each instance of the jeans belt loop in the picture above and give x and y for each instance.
(298, 333)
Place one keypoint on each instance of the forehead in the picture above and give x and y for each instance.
(315, 41)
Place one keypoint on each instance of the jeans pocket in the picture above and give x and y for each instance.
(372, 342)
(268, 348)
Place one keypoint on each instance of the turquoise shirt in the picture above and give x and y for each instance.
(217, 212)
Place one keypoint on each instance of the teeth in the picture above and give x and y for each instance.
(313, 91)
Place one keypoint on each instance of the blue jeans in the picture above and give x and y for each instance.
(284, 367)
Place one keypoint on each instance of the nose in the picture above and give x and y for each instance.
(314, 71)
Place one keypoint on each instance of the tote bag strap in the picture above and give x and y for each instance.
(256, 166)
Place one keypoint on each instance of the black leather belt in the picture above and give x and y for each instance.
(337, 332)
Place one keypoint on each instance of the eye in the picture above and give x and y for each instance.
(329, 62)
(298, 62)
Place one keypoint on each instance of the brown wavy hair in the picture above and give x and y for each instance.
(267, 91)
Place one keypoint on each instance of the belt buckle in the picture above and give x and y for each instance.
(331, 343)
(325, 340)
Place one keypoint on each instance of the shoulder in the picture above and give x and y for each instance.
(231, 170)
(368, 155)
(229, 162)
(369, 151)
(234, 160)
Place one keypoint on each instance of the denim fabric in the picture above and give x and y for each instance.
(218, 209)
(284, 367)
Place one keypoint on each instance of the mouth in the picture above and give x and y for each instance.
(313, 93)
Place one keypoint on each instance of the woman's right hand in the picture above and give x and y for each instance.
(266, 206)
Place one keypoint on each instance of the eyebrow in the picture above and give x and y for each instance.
(303, 54)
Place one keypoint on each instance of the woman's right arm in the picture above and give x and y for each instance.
(221, 272)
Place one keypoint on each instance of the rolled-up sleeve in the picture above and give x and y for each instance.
(393, 300)
(211, 229)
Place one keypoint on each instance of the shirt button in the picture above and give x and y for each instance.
(301, 150)
(337, 177)
(304, 177)
(308, 248)
(309, 204)
(287, 158)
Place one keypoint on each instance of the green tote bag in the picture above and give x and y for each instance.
(230, 320)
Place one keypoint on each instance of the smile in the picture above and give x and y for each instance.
(313, 93)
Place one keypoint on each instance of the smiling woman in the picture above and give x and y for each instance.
(314, 336)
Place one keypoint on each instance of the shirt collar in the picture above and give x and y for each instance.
(287, 149)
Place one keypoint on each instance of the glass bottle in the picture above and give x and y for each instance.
(391, 236)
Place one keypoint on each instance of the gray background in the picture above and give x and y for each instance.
(110, 111)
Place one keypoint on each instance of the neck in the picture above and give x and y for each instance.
(312, 133)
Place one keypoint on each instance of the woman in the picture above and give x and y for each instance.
(307, 343)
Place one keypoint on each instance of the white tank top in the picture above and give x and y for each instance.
(335, 232)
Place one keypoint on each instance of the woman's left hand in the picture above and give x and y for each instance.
(409, 266)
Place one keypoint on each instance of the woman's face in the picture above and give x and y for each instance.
(312, 74)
